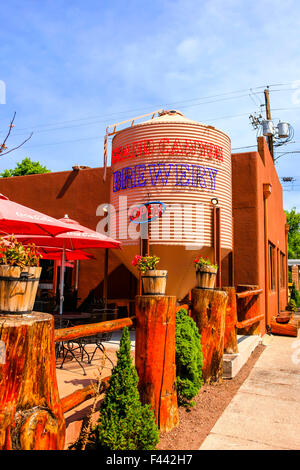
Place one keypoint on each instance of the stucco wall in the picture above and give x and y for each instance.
(250, 172)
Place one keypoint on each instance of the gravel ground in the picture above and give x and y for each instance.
(196, 423)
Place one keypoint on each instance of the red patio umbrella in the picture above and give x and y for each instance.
(70, 255)
(82, 237)
(18, 219)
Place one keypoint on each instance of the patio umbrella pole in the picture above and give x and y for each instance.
(105, 282)
(62, 279)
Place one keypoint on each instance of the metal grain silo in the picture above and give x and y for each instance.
(183, 164)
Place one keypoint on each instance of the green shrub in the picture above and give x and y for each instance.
(291, 306)
(124, 423)
(295, 295)
(189, 358)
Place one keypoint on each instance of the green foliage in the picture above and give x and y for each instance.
(291, 306)
(13, 253)
(293, 220)
(124, 423)
(201, 261)
(145, 263)
(26, 167)
(295, 295)
(189, 358)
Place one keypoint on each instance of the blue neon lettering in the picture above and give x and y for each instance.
(186, 175)
(213, 174)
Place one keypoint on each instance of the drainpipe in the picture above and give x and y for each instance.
(267, 189)
(217, 242)
(287, 228)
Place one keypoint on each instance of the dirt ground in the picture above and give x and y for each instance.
(196, 423)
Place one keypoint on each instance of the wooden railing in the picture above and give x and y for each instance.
(78, 331)
(73, 332)
(248, 293)
(247, 309)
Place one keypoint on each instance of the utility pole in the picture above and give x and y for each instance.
(268, 116)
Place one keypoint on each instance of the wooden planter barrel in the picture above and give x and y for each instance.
(154, 282)
(206, 277)
(18, 288)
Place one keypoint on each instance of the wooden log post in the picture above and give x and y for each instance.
(209, 311)
(31, 414)
(155, 356)
(247, 308)
(230, 335)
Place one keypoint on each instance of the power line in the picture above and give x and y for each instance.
(166, 104)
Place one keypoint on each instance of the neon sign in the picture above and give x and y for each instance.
(183, 147)
(197, 176)
(146, 212)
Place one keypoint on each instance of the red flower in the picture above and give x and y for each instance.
(136, 260)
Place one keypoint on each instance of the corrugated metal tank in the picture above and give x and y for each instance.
(183, 164)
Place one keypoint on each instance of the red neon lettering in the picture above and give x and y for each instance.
(210, 150)
(176, 149)
(201, 148)
(136, 149)
(190, 146)
(148, 147)
(162, 146)
(218, 153)
(127, 153)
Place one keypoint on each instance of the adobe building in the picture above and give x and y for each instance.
(178, 162)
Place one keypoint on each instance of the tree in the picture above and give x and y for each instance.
(26, 167)
(293, 220)
(3, 148)
(295, 295)
(189, 358)
(124, 423)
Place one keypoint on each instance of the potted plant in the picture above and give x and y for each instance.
(19, 276)
(205, 273)
(154, 280)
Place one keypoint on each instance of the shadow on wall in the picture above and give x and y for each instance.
(67, 184)
(122, 284)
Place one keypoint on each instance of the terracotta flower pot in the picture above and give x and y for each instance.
(154, 282)
(206, 277)
(18, 287)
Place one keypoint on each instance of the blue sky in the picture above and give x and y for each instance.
(73, 67)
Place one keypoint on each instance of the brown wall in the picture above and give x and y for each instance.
(250, 171)
(78, 194)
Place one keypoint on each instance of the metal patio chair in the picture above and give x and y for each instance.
(66, 348)
(98, 315)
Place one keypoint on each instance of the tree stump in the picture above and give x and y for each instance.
(155, 356)
(31, 415)
(230, 335)
(209, 311)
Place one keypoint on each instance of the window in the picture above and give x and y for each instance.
(271, 266)
(282, 270)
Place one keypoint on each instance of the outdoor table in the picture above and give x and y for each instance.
(80, 344)
(72, 317)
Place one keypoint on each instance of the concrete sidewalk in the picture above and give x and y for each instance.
(265, 412)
